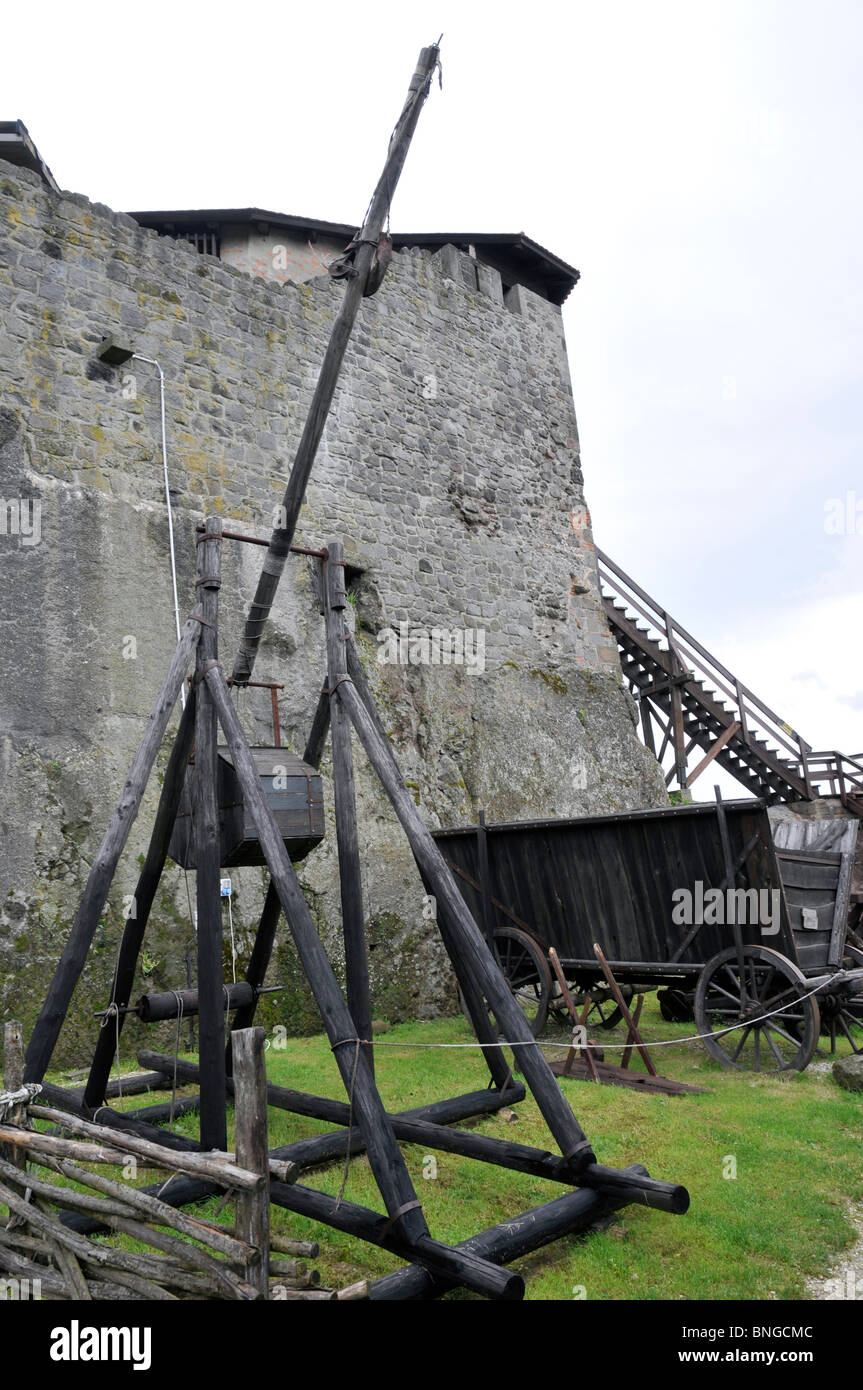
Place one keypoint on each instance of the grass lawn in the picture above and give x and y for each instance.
(793, 1141)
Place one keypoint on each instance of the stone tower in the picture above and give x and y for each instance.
(450, 468)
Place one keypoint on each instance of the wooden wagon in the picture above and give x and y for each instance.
(693, 900)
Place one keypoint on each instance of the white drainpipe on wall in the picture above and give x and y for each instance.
(151, 361)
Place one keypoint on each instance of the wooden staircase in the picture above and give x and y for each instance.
(690, 703)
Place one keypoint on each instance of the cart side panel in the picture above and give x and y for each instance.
(633, 883)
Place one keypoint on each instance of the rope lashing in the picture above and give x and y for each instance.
(10, 1099)
(113, 1011)
(415, 1205)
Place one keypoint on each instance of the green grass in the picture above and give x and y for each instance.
(794, 1139)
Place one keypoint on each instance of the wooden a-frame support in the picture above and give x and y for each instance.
(405, 1230)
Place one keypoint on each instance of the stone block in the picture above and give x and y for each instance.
(489, 282)
(848, 1072)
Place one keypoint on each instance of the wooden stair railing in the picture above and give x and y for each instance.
(692, 701)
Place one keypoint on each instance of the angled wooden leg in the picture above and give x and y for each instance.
(581, 1022)
(265, 937)
(385, 1157)
(145, 892)
(259, 962)
(486, 972)
(501, 1072)
(320, 728)
(47, 1027)
(633, 1035)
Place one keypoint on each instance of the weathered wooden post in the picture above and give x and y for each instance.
(211, 999)
(13, 1080)
(250, 1143)
(350, 874)
(485, 880)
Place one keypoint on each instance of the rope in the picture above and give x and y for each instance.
(604, 1046)
(350, 1120)
(179, 1000)
(113, 1011)
(169, 1179)
(10, 1099)
(233, 947)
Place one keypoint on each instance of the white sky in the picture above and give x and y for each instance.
(699, 162)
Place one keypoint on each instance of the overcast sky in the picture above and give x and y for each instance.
(699, 162)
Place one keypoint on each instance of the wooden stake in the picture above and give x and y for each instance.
(13, 1080)
(250, 1140)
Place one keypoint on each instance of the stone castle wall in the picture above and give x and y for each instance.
(449, 468)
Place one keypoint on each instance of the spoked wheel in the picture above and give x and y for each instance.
(527, 973)
(775, 1029)
(601, 1014)
(604, 1012)
(842, 1017)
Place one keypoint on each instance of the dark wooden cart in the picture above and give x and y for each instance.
(657, 891)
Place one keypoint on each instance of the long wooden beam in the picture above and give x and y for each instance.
(47, 1027)
(145, 892)
(283, 534)
(442, 1112)
(265, 936)
(211, 981)
(344, 796)
(385, 1156)
(717, 747)
(483, 967)
(510, 1240)
(475, 1005)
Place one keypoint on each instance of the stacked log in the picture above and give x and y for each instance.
(184, 1256)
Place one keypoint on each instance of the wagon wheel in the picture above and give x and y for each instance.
(604, 1012)
(842, 1017)
(770, 982)
(527, 973)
